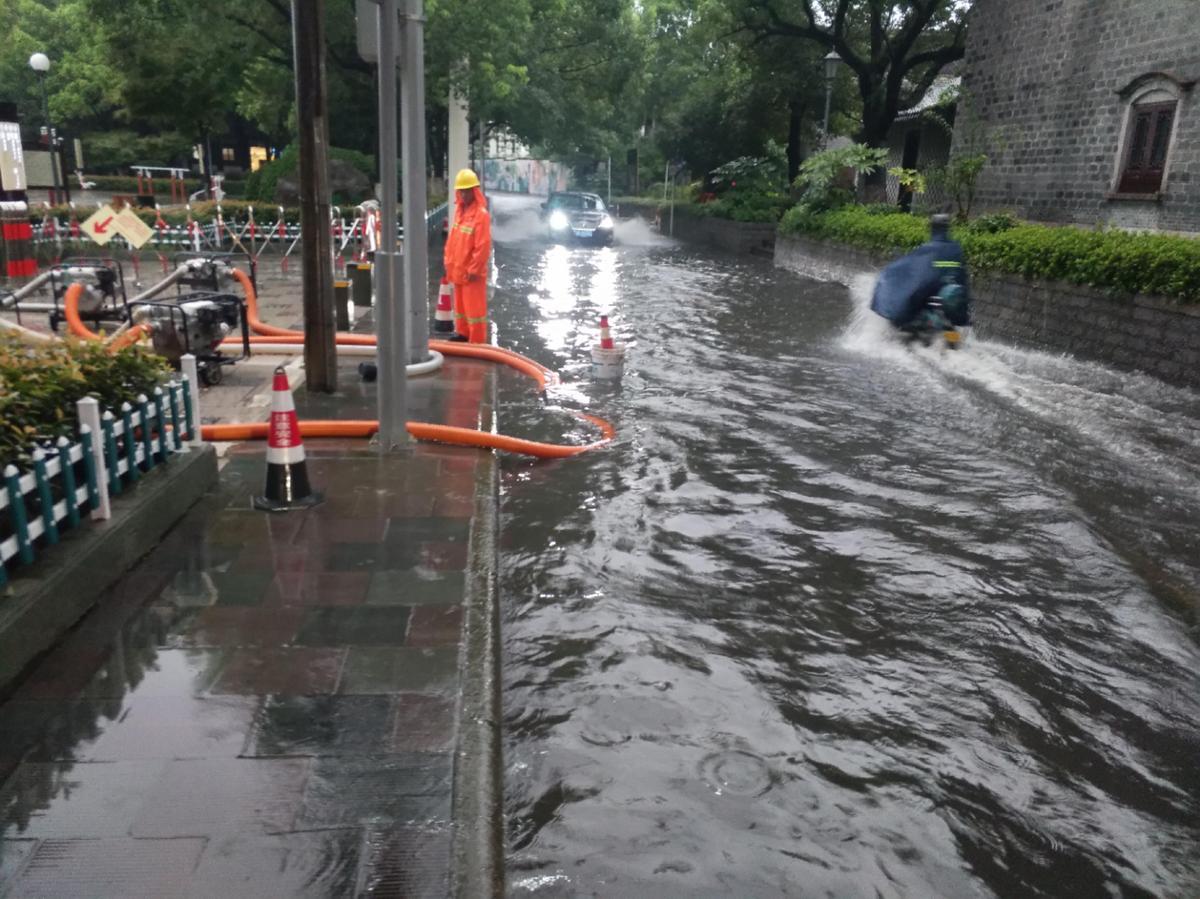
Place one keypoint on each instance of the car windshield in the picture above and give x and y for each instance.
(576, 202)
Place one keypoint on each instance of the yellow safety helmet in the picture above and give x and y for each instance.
(465, 180)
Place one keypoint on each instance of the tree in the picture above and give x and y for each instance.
(894, 49)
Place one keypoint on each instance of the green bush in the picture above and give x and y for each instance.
(827, 179)
(39, 386)
(260, 185)
(1118, 261)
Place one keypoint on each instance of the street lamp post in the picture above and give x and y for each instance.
(831, 66)
(40, 63)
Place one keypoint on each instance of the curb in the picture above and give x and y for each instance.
(477, 854)
(70, 578)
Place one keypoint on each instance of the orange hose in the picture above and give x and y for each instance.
(418, 429)
(269, 334)
(71, 309)
(129, 338)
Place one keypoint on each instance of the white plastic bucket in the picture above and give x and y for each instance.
(608, 365)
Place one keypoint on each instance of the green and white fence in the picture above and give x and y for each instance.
(72, 479)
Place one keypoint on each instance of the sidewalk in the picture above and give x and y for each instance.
(280, 705)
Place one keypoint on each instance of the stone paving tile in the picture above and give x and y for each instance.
(362, 626)
(386, 669)
(238, 626)
(423, 723)
(211, 796)
(407, 863)
(290, 671)
(337, 588)
(146, 727)
(13, 855)
(173, 672)
(435, 626)
(398, 788)
(321, 725)
(317, 863)
(415, 587)
(109, 868)
(57, 800)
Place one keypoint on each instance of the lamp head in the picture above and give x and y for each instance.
(40, 62)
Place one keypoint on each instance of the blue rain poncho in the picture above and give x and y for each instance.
(906, 284)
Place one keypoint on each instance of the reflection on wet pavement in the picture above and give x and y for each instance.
(264, 706)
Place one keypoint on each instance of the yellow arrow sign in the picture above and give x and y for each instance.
(99, 226)
(132, 228)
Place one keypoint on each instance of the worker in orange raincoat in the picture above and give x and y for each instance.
(467, 258)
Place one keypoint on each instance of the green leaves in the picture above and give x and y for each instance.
(827, 178)
(1117, 261)
(40, 385)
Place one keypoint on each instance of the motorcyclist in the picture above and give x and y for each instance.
(927, 290)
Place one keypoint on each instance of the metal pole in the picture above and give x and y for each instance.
(828, 99)
(320, 322)
(49, 137)
(393, 407)
(413, 330)
(609, 173)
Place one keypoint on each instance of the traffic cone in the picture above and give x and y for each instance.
(608, 359)
(287, 473)
(606, 340)
(444, 317)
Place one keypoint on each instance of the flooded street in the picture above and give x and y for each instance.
(835, 617)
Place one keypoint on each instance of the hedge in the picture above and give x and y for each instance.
(127, 184)
(1117, 261)
(265, 214)
(39, 386)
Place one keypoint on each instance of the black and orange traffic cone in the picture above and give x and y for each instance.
(287, 472)
(444, 317)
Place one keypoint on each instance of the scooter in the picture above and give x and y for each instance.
(936, 317)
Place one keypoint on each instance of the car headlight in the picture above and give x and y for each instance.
(559, 221)
(606, 223)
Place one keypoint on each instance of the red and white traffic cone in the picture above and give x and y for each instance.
(287, 473)
(606, 339)
(608, 359)
(444, 317)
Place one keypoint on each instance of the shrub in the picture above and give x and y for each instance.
(958, 178)
(823, 177)
(260, 185)
(39, 386)
(1118, 261)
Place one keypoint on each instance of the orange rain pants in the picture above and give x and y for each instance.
(470, 310)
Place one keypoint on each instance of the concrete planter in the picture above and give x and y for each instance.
(44, 601)
(753, 238)
(1146, 334)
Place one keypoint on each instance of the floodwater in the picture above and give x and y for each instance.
(833, 617)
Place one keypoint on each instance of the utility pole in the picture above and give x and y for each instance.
(312, 121)
(459, 137)
(389, 298)
(416, 238)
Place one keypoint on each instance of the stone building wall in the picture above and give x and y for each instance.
(1138, 333)
(1043, 81)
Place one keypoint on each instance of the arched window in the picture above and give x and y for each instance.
(1153, 103)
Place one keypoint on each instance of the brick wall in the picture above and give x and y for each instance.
(1042, 78)
(1139, 333)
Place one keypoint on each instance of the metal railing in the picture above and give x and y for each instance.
(70, 479)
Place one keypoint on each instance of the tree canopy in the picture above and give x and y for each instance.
(695, 81)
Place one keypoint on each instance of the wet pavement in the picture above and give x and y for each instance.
(833, 617)
(266, 705)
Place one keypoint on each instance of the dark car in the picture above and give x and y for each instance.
(577, 216)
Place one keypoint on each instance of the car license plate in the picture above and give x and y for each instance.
(583, 232)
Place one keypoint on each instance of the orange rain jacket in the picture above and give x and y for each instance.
(469, 246)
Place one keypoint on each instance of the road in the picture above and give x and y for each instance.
(833, 617)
